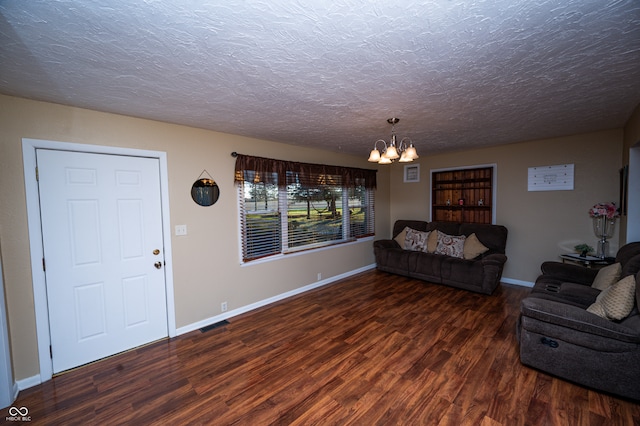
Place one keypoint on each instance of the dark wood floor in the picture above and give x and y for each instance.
(372, 349)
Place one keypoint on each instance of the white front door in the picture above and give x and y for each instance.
(103, 252)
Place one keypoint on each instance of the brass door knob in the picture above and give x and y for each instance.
(156, 252)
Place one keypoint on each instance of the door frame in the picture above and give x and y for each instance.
(633, 196)
(36, 248)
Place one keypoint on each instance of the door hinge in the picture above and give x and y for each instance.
(44, 266)
(37, 175)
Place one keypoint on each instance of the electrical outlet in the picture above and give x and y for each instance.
(319, 276)
(181, 229)
(223, 306)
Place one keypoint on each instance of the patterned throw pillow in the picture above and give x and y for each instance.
(416, 240)
(607, 276)
(450, 245)
(473, 247)
(616, 302)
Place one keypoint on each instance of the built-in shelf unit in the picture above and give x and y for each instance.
(463, 195)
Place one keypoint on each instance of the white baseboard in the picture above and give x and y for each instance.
(16, 390)
(27, 383)
(517, 282)
(244, 309)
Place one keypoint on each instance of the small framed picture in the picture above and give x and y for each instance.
(412, 173)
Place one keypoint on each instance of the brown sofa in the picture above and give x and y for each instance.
(558, 335)
(481, 274)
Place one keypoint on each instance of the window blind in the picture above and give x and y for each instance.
(288, 206)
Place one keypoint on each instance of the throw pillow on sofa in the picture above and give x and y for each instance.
(450, 245)
(402, 236)
(416, 240)
(617, 301)
(607, 276)
(473, 247)
(432, 242)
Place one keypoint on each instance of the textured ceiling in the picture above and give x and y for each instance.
(458, 73)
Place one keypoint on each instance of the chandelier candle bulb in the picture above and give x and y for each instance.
(374, 157)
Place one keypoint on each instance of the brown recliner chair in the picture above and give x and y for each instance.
(559, 336)
(571, 283)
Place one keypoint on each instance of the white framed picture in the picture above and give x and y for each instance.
(412, 173)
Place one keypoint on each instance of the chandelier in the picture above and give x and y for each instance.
(392, 151)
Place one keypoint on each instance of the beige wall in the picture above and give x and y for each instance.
(541, 224)
(206, 263)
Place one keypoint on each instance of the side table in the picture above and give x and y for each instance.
(587, 261)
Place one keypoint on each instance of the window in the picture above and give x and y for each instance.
(287, 206)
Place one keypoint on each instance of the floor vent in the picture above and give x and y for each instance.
(212, 326)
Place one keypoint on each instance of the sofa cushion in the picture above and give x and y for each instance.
(426, 266)
(393, 260)
(450, 245)
(453, 270)
(631, 266)
(473, 247)
(617, 301)
(451, 228)
(628, 251)
(607, 276)
(418, 225)
(492, 236)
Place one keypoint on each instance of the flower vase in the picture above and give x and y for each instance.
(603, 228)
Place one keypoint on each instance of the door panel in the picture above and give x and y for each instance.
(130, 227)
(101, 222)
(89, 305)
(135, 296)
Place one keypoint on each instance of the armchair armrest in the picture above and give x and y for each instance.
(578, 319)
(571, 273)
(491, 271)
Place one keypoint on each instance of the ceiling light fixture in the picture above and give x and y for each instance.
(393, 150)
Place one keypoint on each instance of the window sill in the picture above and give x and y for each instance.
(301, 252)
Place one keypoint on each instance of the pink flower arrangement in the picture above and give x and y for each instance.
(604, 209)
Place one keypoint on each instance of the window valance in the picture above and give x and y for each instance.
(280, 172)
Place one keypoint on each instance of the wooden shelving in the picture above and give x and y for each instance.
(463, 195)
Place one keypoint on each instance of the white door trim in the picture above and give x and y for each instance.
(633, 195)
(29, 147)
